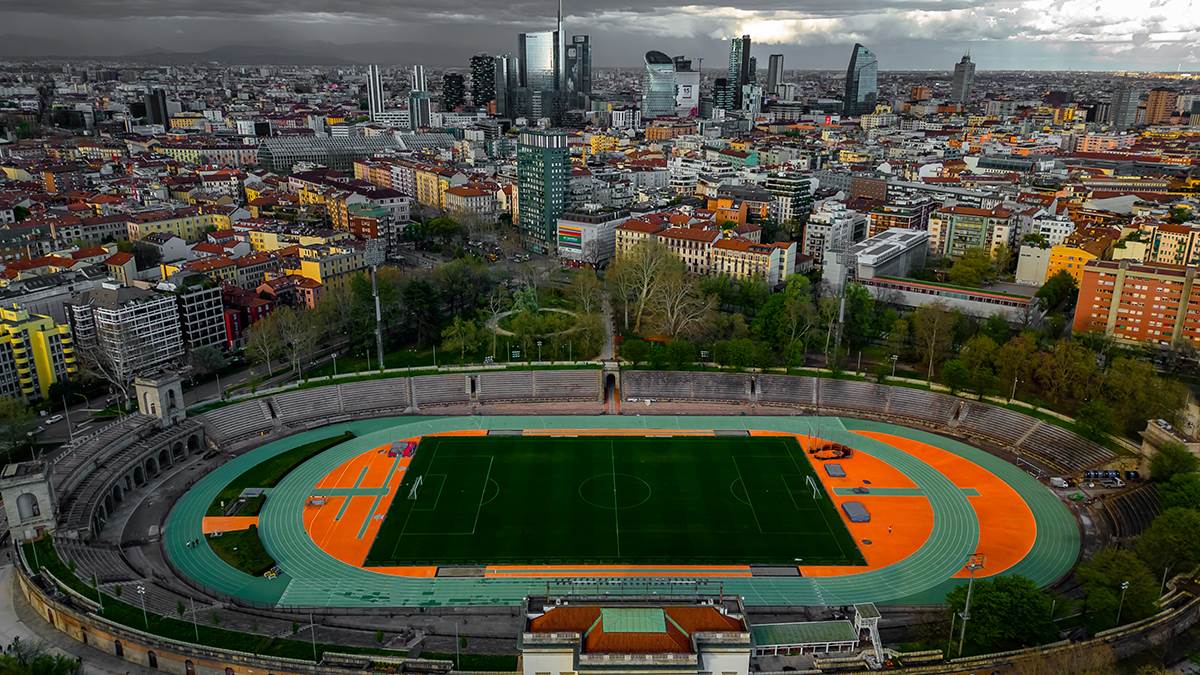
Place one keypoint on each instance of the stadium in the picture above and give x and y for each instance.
(336, 526)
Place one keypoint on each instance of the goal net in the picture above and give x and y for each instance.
(412, 493)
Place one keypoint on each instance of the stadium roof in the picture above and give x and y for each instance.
(803, 633)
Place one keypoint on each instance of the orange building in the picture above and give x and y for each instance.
(1139, 303)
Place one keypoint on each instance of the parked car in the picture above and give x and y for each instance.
(54, 419)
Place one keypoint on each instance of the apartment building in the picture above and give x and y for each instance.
(132, 330)
(955, 229)
(35, 352)
(1147, 303)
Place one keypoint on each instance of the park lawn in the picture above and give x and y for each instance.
(242, 550)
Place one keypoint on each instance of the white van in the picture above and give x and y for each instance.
(1059, 482)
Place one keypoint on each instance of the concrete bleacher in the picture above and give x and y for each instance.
(999, 424)
(1132, 512)
(95, 562)
(852, 395)
(73, 464)
(566, 385)
(924, 405)
(390, 395)
(307, 404)
(515, 385)
(232, 422)
(786, 390)
(440, 390)
(718, 387)
(1070, 451)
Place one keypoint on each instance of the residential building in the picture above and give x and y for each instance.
(201, 309)
(739, 71)
(832, 226)
(1147, 303)
(466, 201)
(483, 81)
(744, 259)
(955, 229)
(130, 330)
(774, 73)
(905, 213)
(791, 199)
(454, 91)
(1160, 105)
(35, 352)
(543, 171)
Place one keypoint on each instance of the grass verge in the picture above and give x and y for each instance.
(243, 550)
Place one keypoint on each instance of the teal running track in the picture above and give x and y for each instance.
(312, 578)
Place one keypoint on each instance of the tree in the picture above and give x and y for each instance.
(973, 268)
(679, 353)
(635, 278)
(265, 343)
(1182, 490)
(16, 419)
(497, 303)
(1015, 361)
(1007, 612)
(1095, 419)
(933, 332)
(899, 340)
(997, 328)
(859, 327)
(208, 359)
(300, 335)
(1067, 373)
(1171, 542)
(677, 304)
(586, 291)
(1136, 393)
(29, 657)
(977, 355)
(461, 336)
(1058, 291)
(1073, 659)
(955, 375)
(1102, 577)
(635, 351)
(1170, 459)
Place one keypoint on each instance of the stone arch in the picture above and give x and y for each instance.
(139, 476)
(50, 616)
(108, 502)
(164, 457)
(152, 659)
(193, 443)
(189, 668)
(27, 506)
(151, 467)
(178, 451)
(172, 401)
(118, 648)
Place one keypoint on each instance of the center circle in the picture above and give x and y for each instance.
(617, 491)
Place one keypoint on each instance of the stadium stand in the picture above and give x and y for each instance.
(719, 387)
(786, 390)
(237, 421)
(852, 395)
(94, 561)
(1071, 452)
(1001, 424)
(566, 385)
(440, 390)
(924, 405)
(70, 465)
(375, 395)
(516, 385)
(1132, 511)
(307, 404)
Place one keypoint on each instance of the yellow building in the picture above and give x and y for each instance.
(331, 266)
(1072, 259)
(188, 224)
(35, 352)
(431, 186)
(602, 143)
(273, 240)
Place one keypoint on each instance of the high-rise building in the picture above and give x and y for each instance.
(722, 94)
(374, 92)
(1163, 296)
(861, 82)
(156, 108)
(578, 69)
(658, 86)
(420, 110)
(543, 171)
(774, 73)
(129, 330)
(540, 70)
(964, 79)
(508, 81)
(1123, 107)
(454, 91)
(687, 88)
(791, 200)
(418, 79)
(752, 70)
(739, 71)
(1160, 105)
(483, 80)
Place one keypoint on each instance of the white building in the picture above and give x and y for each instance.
(832, 226)
(589, 238)
(131, 329)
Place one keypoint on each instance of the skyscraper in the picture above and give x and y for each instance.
(1160, 105)
(543, 169)
(861, 82)
(453, 91)
(540, 69)
(156, 108)
(774, 73)
(964, 79)
(483, 79)
(1122, 109)
(578, 69)
(658, 86)
(722, 94)
(418, 79)
(508, 80)
(752, 70)
(687, 88)
(374, 92)
(739, 70)
(419, 109)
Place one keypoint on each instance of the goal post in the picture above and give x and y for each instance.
(412, 492)
(812, 484)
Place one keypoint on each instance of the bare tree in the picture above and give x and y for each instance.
(678, 304)
(635, 277)
(585, 289)
(498, 302)
(300, 334)
(265, 343)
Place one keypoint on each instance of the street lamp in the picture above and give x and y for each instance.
(974, 564)
(894, 358)
(539, 344)
(1121, 605)
(1014, 390)
(141, 591)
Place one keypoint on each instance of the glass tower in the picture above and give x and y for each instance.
(658, 86)
(543, 170)
(861, 82)
(739, 70)
(578, 68)
(540, 69)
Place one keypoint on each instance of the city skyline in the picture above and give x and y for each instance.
(1107, 35)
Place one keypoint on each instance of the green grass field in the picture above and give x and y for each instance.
(623, 500)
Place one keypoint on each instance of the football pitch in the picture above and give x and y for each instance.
(597, 500)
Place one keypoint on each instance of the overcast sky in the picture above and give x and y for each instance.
(916, 34)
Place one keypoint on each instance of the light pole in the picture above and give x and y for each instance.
(67, 417)
(141, 591)
(894, 358)
(194, 626)
(335, 364)
(1121, 605)
(1162, 588)
(539, 343)
(974, 564)
(1014, 390)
